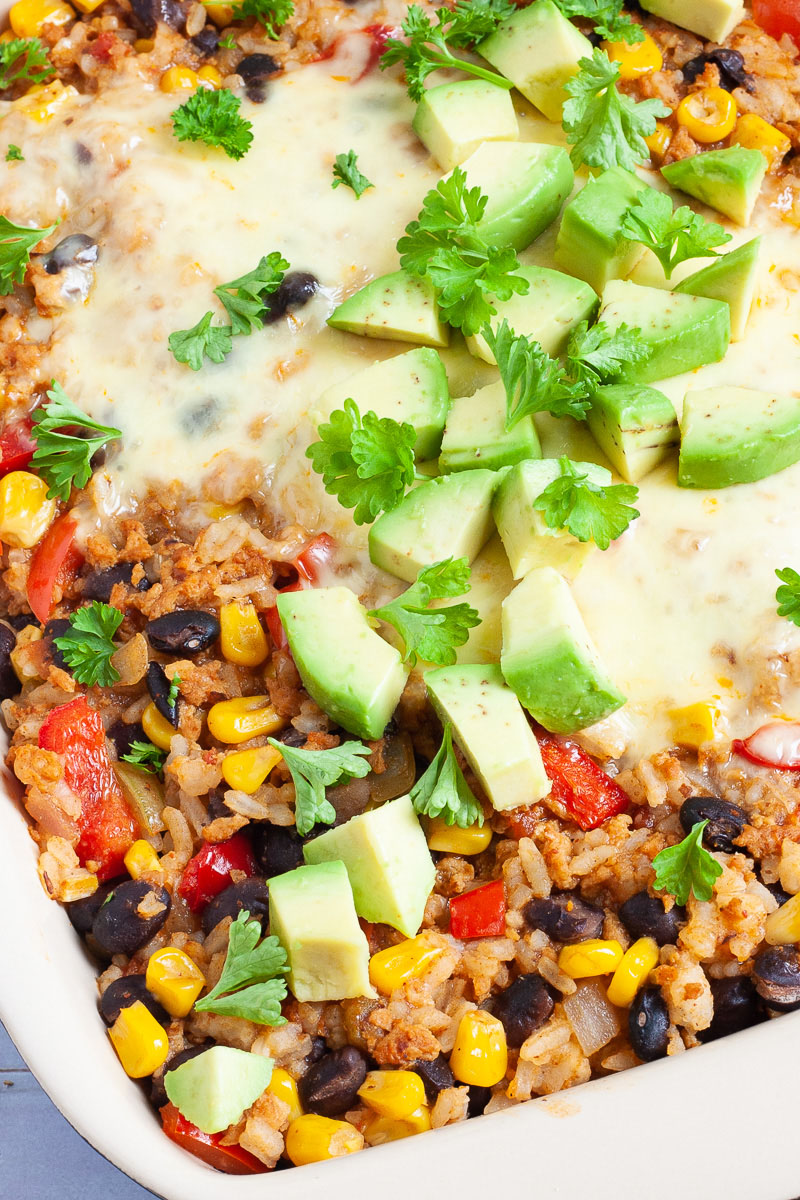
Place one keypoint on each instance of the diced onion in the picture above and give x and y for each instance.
(144, 794)
(594, 1020)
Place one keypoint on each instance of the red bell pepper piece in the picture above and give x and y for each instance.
(16, 446)
(778, 17)
(233, 1160)
(209, 872)
(106, 824)
(479, 913)
(55, 561)
(588, 794)
(314, 559)
(774, 745)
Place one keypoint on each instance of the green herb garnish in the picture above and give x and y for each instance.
(687, 868)
(426, 49)
(87, 646)
(432, 634)
(244, 299)
(203, 340)
(588, 510)
(272, 14)
(64, 460)
(608, 20)
(443, 791)
(605, 127)
(16, 243)
(673, 236)
(534, 382)
(213, 118)
(174, 691)
(251, 984)
(595, 355)
(14, 154)
(23, 60)
(788, 595)
(146, 756)
(314, 770)
(345, 171)
(228, 42)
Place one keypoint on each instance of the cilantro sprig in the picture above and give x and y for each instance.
(203, 340)
(314, 770)
(174, 691)
(596, 355)
(272, 14)
(345, 171)
(213, 118)
(14, 154)
(23, 60)
(673, 236)
(687, 868)
(426, 49)
(64, 460)
(87, 646)
(146, 757)
(432, 634)
(788, 594)
(442, 791)
(244, 299)
(251, 984)
(608, 20)
(534, 382)
(605, 127)
(16, 243)
(590, 511)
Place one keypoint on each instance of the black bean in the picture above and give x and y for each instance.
(122, 736)
(736, 1006)
(158, 1093)
(435, 1074)
(185, 631)
(148, 13)
(523, 1007)
(254, 68)
(565, 917)
(98, 584)
(206, 41)
(479, 1097)
(278, 848)
(648, 1024)
(644, 915)
(118, 928)
(256, 93)
(293, 737)
(159, 688)
(9, 684)
(319, 1047)
(330, 1086)
(725, 821)
(77, 250)
(82, 913)
(296, 290)
(124, 992)
(53, 629)
(732, 73)
(777, 891)
(251, 895)
(83, 154)
(776, 975)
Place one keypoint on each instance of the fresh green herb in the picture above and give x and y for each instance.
(605, 127)
(473, 20)
(272, 14)
(443, 791)
(64, 460)
(202, 340)
(14, 154)
(673, 236)
(608, 20)
(446, 244)
(345, 171)
(686, 868)
(228, 42)
(367, 464)
(244, 298)
(534, 381)
(314, 770)
(426, 49)
(598, 354)
(589, 511)
(87, 646)
(23, 60)
(251, 984)
(16, 243)
(432, 634)
(146, 756)
(788, 595)
(213, 118)
(174, 691)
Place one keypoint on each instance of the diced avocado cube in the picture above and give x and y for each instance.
(680, 332)
(410, 387)
(529, 542)
(634, 426)
(525, 185)
(490, 582)
(731, 278)
(538, 49)
(554, 304)
(492, 730)
(476, 436)
(452, 120)
(312, 913)
(548, 658)
(590, 241)
(358, 677)
(399, 307)
(728, 180)
(736, 435)
(711, 19)
(451, 515)
(215, 1088)
(388, 863)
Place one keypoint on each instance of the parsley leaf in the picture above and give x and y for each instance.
(270, 13)
(64, 460)
(426, 49)
(686, 868)
(87, 645)
(605, 127)
(534, 381)
(23, 60)
(16, 243)
(228, 42)
(589, 511)
(314, 770)
(345, 171)
(367, 464)
(608, 19)
(174, 691)
(14, 154)
(146, 756)
(244, 298)
(598, 354)
(675, 236)
(788, 595)
(442, 791)
(250, 976)
(203, 339)
(213, 118)
(432, 635)
(473, 20)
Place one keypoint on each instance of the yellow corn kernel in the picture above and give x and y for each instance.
(312, 1138)
(453, 840)
(28, 17)
(246, 770)
(42, 102)
(631, 974)
(695, 724)
(480, 1053)
(25, 511)
(140, 1042)
(157, 727)
(380, 1130)
(707, 115)
(220, 14)
(658, 142)
(783, 925)
(218, 512)
(242, 637)
(394, 1094)
(284, 1087)
(178, 79)
(634, 60)
(7, 35)
(87, 6)
(391, 968)
(235, 721)
(141, 859)
(755, 133)
(144, 45)
(211, 76)
(592, 957)
(175, 980)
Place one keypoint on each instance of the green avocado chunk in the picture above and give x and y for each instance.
(554, 304)
(538, 49)
(388, 863)
(312, 913)
(548, 658)
(681, 332)
(731, 278)
(452, 120)
(476, 436)
(398, 307)
(490, 582)
(736, 435)
(728, 180)
(525, 184)
(215, 1088)
(346, 667)
(635, 427)
(590, 241)
(712, 19)
(492, 730)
